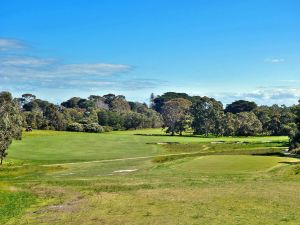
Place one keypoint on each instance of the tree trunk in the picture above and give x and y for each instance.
(172, 134)
(1, 160)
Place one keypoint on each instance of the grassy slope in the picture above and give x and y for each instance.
(57, 147)
(223, 189)
(224, 164)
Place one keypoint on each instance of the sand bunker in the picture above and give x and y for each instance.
(125, 171)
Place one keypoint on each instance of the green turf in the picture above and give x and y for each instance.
(59, 147)
(224, 164)
(13, 202)
(201, 182)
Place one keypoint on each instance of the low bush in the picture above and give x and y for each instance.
(75, 127)
(93, 128)
(107, 128)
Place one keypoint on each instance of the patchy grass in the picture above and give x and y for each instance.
(13, 203)
(224, 147)
(202, 180)
(26, 171)
(227, 148)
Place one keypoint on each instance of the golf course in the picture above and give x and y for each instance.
(149, 112)
(148, 177)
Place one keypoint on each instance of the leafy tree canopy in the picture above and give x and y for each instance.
(10, 123)
(295, 139)
(159, 101)
(175, 115)
(240, 106)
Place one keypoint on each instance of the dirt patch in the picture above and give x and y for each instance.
(70, 206)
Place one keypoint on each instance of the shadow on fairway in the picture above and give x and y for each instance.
(290, 163)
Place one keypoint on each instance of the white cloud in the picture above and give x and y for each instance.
(25, 61)
(274, 60)
(31, 67)
(27, 73)
(36, 73)
(7, 44)
(265, 96)
(113, 84)
(99, 69)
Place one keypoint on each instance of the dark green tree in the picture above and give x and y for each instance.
(99, 102)
(112, 119)
(240, 106)
(55, 118)
(119, 105)
(295, 138)
(71, 103)
(276, 120)
(133, 120)
(247, 124)
(175, 115)
(207, 116)
(159, 101)
(10, 123)
(229, 124)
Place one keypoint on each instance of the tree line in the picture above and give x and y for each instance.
(295, 138)
(94, 114)
(207, 116)
(176, 112)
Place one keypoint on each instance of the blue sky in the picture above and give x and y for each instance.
(229, 49)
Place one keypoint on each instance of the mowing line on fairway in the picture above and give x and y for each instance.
(122, 159)
(116, 160)
(133, 158)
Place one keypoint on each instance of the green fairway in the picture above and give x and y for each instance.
(226, 164)
(57, 147)
(125, 178)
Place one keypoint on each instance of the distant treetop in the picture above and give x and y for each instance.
(240, 106)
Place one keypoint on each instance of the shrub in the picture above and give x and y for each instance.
(75, 127)
(107, 128)
(93, 128)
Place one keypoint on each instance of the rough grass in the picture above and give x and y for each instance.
(13, 203)
(224, 185)
(227, 148)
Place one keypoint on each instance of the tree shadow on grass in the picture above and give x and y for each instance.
(290, 163)
(167, 135)
(278, 154)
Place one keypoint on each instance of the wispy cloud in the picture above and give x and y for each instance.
(79, 83)
(113, 84)
(98, 69)
(30, 67)
(27, 73)
(274, 60)
(25, 61)
(8, 44)
(265, 95)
